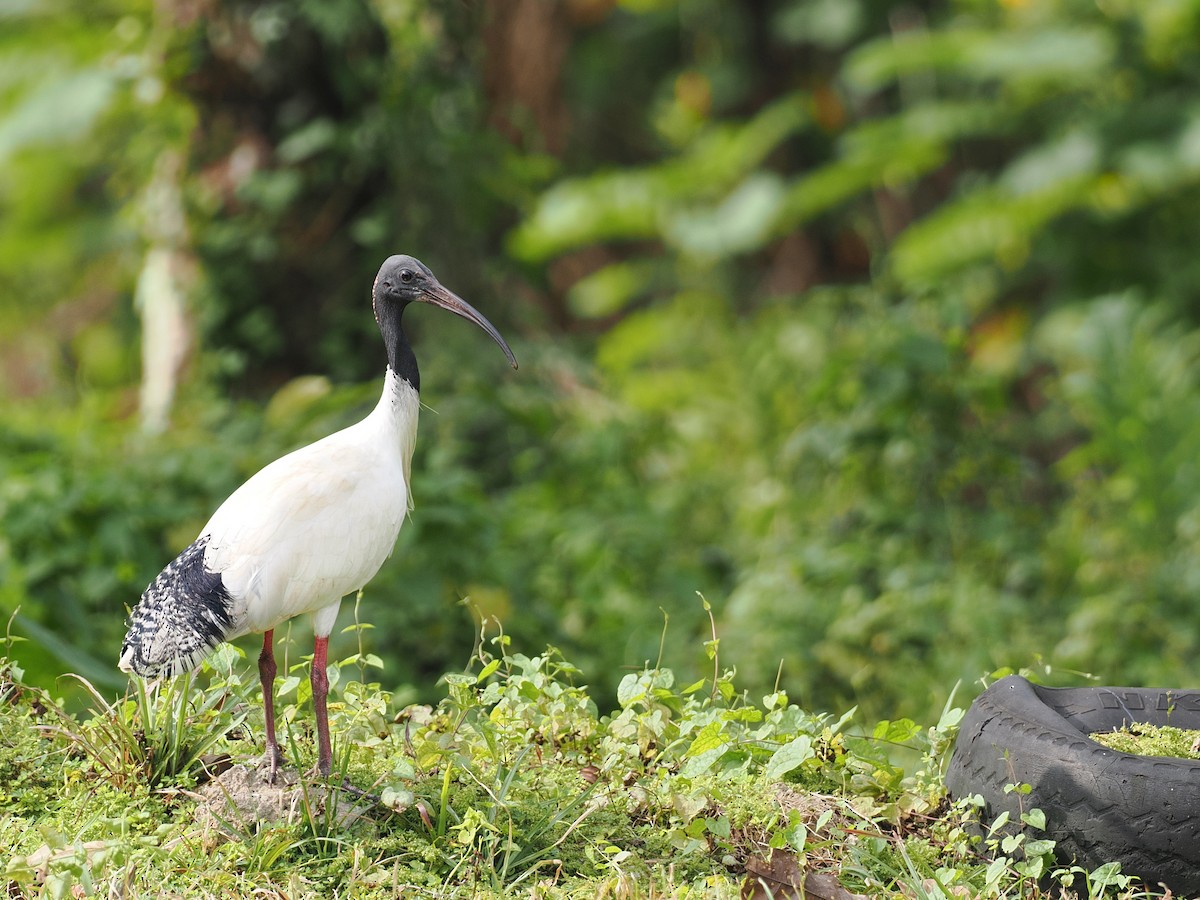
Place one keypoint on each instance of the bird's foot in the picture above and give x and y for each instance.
(271, 763)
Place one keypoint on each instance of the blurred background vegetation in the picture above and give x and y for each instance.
(874, 323)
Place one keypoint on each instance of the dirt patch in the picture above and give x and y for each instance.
(241, 798)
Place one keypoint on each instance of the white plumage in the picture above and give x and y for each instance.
(302, 533)
(319, 522)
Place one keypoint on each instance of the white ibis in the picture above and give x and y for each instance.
(302, 533)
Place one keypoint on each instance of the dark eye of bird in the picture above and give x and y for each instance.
(406, 275)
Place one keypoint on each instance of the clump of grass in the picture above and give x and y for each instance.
(159, 731)
(1144, 739)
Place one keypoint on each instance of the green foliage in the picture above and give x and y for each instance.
(906, 476)
(84, 114)
(873, 325)
(160, 734)
(515, 783)
(998, 122)
(1144, 739)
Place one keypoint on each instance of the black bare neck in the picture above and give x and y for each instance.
(399, 352)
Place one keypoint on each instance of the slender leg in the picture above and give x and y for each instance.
(266, 673)
(320, 690)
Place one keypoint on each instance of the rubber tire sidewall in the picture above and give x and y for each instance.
(1101, 805)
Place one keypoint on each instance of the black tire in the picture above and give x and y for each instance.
(1100, 805)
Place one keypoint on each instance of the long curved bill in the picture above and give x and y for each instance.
(446, 299)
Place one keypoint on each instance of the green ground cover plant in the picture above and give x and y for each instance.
(514, 784)
(1144, 739)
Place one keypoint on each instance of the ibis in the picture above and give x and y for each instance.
(302, 533)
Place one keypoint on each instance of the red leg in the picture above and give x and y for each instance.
(266, 674)
(320, 690)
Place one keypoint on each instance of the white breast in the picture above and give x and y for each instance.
(318, 523)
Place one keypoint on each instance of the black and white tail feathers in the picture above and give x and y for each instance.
(182, 616)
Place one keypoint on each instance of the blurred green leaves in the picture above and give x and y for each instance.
(876, 324)
(924, 464)
(61, 108)
(641, 203)
(1039, 55)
